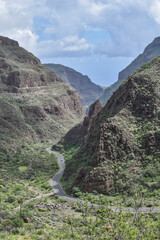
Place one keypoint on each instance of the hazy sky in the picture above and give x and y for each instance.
(96, 37)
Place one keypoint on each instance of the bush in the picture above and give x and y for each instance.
(103, 223)
(76, 192)
(17, 222)
(11, 198)
(42, 209)
(7, 224)
(2, 188)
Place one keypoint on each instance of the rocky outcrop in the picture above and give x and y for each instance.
(76, 134)
(88, 91)
(4, 41)
(121, 149)
(35, 103)
(150, 52)
(93, 110)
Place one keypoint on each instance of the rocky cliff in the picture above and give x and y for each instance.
(150, 52)
(34, 103)
(75, 136)
(121, 152)
(88, 91)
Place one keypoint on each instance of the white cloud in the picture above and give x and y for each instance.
(73, 43)
(25, 38)
(16, 19)
(3, 9)
(71, 46)
(131, 25)
(155, 10)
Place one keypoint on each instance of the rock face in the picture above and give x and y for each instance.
(88, 91)
(4, 41)
(121, 151)
(150, 52)
(34, 103)
(76, 134)
(93, 110)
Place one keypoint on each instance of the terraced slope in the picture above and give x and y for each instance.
(88, 91)
(34, 102)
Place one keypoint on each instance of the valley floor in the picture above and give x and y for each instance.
(30, 211)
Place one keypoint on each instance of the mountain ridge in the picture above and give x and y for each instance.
(35, 103)
(88, 91)
(122, 143)
(151, 51)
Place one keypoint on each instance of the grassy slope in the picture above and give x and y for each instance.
(26, 174)
(51, 218)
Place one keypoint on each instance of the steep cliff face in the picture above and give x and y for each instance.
(75, 136)
(150, 52)
(88, 91)
(34, 103)
(122, 148)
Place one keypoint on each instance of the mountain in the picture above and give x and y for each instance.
(87, 90)
(150, 52)
(75, 135)
(121, 151)
(34, 102)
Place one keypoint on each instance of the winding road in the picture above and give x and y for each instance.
(59, 190)
(55, 180)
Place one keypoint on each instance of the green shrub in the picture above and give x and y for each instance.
(103, 223)
(11, 198)
(17, 222)
(7, 223)
(2, 188)
(42, 209)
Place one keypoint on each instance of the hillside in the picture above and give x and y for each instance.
(121, 152)
(35, 104)
(74, 137)
(36, 107)
(88, 91)
(150, 52)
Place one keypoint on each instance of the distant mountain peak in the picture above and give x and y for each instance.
(150, 52)
(88, 91)
(154, 43)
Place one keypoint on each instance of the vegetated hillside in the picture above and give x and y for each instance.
(74, 137)
(34, 102)
(121, 152)
(87, 90)
(150, 52)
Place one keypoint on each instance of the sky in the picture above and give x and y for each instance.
(98, 38)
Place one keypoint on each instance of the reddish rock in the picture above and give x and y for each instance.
(93, 110)
(109, 228)
(27, 220)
